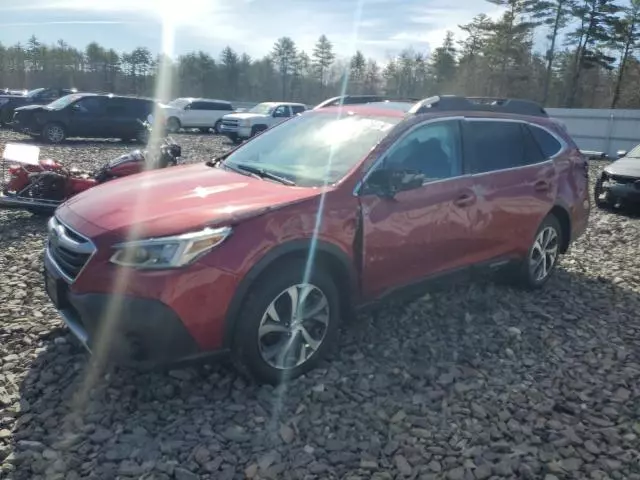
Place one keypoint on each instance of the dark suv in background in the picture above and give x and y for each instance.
(38, 96)
(264, 251)
(87, 115)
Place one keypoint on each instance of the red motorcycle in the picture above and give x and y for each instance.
(39, 186)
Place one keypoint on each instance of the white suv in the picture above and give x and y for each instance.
(243, 125)
(201, 113)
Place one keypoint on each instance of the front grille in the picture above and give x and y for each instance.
(69, 250)
(230, 123)
(622, 179)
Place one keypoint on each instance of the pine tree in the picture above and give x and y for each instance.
(554, 15)
(627, 38)
(284, 56)
(323, 58)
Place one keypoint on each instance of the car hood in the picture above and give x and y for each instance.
(626, 166)
(243, 116)
(179, 199)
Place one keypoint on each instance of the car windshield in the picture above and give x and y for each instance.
(311, 148)
(62, 102)
(634, 152)
(263, 108)
(33, 93)
(178, 103)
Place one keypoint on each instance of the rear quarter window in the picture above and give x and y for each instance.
(548, 144)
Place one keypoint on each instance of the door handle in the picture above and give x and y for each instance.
(464, 200)
(541, 186)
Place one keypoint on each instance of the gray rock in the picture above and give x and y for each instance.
(184, 474)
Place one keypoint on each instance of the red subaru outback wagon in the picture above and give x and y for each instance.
(263, 252)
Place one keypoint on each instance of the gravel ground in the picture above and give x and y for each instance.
(472, 381)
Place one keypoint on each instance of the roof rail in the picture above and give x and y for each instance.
(485, 104)
(355, 99)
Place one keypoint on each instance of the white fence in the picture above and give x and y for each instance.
(601, 130)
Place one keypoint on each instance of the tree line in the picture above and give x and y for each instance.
(591, 62)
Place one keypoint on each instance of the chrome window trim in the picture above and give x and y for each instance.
(563, 145)
(385, 154)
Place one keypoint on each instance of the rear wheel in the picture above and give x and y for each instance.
(543, 255)
(53, 133)
(173, 124)
(287, 325)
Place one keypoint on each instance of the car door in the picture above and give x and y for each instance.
(514, 185)
(189, 117)
(218, 111)
(423, 231)
(119, 121)
(281, 113)
(87, 117)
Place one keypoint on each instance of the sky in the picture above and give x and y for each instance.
(378, 28)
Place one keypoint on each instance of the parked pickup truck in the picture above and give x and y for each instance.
(243, 125)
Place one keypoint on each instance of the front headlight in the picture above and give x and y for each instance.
(168, 252)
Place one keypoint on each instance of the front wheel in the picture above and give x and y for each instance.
(287, 324)
(216, 127)
(53, 133)
(543, 255)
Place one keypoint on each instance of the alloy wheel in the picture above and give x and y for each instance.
(293, 326)
(544, 254)
(55, 133)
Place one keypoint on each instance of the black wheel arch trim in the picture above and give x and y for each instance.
(562, 206)
(267, 261)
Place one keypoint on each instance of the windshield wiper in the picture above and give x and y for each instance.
(264, 174)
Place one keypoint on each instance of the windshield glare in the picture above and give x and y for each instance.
(178, 103)
(63, 101)
(33, 93)
(309, 148)
(263, 108)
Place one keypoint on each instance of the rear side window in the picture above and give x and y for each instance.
(491, 146)
(547, 142)
(221, 106)
(297, 109)
(201, 106)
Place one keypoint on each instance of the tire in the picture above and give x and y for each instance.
(250, 349)
(256, 129)
(605, 203)
(173, 124)
(216, 127)
(527, 272)
(53, 133)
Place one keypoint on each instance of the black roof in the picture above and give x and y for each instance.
(442, 103)
(484, 104)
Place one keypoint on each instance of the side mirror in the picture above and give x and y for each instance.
(621, 153)
(385, 182)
